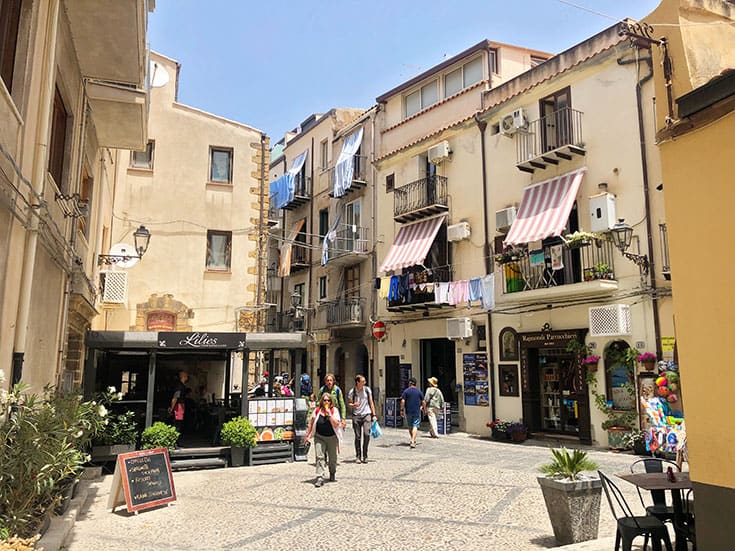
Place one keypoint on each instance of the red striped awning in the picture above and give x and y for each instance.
(412, 244)
(545, 209)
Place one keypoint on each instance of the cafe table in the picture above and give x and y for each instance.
(660, 481)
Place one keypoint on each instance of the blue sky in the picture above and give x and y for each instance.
(270, 65)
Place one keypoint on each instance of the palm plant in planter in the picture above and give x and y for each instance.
(240, 434)
(572, 499)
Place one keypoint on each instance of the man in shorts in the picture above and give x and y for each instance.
(412, 402)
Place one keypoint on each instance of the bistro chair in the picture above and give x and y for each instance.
(659, 509)
(684, 524)
(630, 526)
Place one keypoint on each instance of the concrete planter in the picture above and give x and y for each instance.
(573, 507)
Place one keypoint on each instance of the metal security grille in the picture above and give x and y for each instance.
(114, 286)
(610, 320)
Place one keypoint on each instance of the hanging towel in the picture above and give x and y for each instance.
(458, 292)
(488, 292)
(393, 293)
(441, 293)
(474, 290)
(384, 289)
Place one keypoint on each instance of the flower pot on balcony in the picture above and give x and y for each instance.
(589, 274)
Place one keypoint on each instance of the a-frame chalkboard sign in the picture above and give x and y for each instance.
(145, 479)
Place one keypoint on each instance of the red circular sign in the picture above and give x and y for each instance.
(379, 330)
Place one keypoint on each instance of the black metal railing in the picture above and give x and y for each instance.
(558, 264)
(420, 194)
(302, 186)
(299, 254)
(282, 322)
(349, 240)
(561, 128)
(422, 290)
(360, 167)
(346, 311)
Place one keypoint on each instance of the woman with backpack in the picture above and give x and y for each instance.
(434, 400)
(360, 399)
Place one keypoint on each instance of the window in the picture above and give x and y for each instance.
(85, 194)
(324, 154)
(219, 249)
(422, 98)
(466, 75)
(57, 149)
(297, 297)
(322, 287)
(537, 60)
(143, 159)
(493, 61)
(323, 223)
(220, 166)
(9, 23)
(556, 129)
(352, 281)
(390, 183)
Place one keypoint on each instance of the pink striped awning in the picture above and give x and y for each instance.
(412, 244)
(545, 209)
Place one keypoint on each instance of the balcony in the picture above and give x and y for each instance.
(360, 167)
(301, 194)
(422, 295)
(583, 271)
(550, 140)
(283, 322)
(272, 286)
(347, 311)
(420, 199)
(349, 246)
(299, 257)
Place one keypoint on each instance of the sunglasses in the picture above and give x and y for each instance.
(326, 400)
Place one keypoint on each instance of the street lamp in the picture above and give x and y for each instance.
(622, 235)
(142, 237)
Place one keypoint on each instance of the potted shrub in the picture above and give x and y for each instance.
(572, 499)
(499, 429)
(240, 434)
(518, 432)
(647, 360)
(159, 435)
(119, 433)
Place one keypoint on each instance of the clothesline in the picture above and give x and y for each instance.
(404, 287)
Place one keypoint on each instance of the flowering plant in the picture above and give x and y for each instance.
(119, 428)
(647, 357)
(517, 427)
(499, 426)
(590, 360)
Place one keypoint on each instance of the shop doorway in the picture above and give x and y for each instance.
(438, 360)
(559, 395)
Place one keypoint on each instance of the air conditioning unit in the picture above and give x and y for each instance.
(459, 328)
(114, 285)
(439, 153)
(610, 321)
(458, 232)
(512, 122)
(504, 218)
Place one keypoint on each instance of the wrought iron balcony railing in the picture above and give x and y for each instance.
(550, 139)
(360, 166)
(350, 240)
(299, 256)
(420, 199)
(346, 311)
(557, 265)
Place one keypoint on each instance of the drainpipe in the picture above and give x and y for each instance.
(261, 231)
(307, 318)
(40, 162)
(482, 125)
(646, 198)
(374, 259)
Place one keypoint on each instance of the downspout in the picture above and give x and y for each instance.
(261, 254)
(374, 259)
(40, 162)
(646, 198)
(482, 125)
(307, 318)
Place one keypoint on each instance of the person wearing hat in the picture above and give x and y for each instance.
(433, 402)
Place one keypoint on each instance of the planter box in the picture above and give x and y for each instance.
(616, 437)
(109, 453)
(573, 507)
(241, 457)
(518, 437)
(499, 435)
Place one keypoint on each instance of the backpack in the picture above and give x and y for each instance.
(306, 388)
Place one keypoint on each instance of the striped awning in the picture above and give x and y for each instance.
(545, 209)
(412, 244)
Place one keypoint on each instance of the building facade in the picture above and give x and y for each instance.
(72, 93)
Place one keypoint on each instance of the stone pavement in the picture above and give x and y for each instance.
(456, 492)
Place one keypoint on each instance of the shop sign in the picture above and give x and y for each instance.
(547, 339)
(201, 341)
(379, 330)
(142, 479)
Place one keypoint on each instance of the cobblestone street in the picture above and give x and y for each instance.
(457, 492)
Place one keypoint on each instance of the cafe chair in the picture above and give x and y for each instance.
(630, 526)
(659, 509)
(684, 524)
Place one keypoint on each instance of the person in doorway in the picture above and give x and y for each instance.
(412, 402)
(338, 398)
(360, 400)
(326, 427)
(177, 408)
(434, 401)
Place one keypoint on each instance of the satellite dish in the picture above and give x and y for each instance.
(123, 249)
(159, 75)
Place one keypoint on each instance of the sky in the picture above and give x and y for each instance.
(271, 64)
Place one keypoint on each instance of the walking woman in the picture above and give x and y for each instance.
(326, 427)
(434, 402)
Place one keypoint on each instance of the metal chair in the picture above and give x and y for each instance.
(659, 509)
(684, 524)
(630, 526)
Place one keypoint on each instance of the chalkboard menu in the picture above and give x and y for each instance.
(145, 479)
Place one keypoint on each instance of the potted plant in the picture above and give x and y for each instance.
(603, 271)
(159, 435)
(518, 432)
(572, 499)
(591, 362)
(499, 429)
(119, 433)
(240, 434)
(647, 360)
(511, 254)
(579, 239)
(636, 440)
